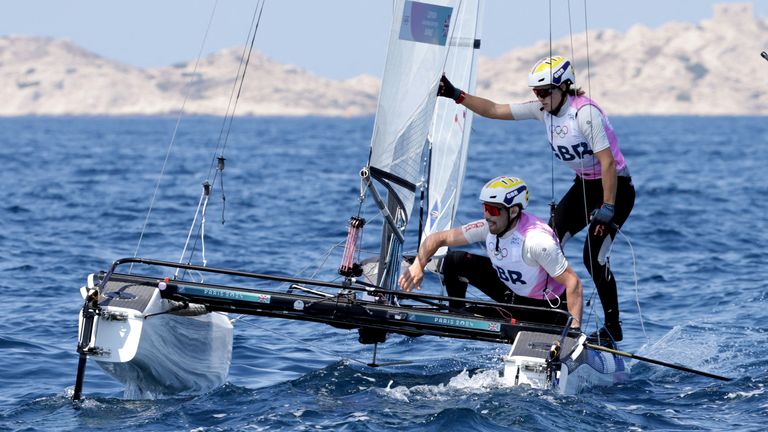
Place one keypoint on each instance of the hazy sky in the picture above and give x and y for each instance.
(332, 38)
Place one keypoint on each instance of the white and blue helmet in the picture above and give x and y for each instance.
(506, 191)
(551, 71)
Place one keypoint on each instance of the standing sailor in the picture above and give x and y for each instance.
(581, 136)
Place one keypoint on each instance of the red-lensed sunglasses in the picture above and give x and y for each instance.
(491, 209)
(543, 92)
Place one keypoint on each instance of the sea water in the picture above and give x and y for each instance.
(690, 264)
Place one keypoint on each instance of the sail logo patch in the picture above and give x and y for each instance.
(425, 23)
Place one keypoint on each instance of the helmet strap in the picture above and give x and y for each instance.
(556, 111)
(510, 223)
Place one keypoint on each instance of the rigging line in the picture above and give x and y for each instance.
(328, 253)
(570, 31)
(244, 60)
(586, 36)
(202, 231)
(324, 258)
(551, 129)
(239, 76)
(592, 138)
(551, 140)
(223, 144)
(242, 80)
(634, 273)
(581, 162)
(175, 131)
(595, 163)
(552, 161)
(189, 234)
(552, 202)
(550, 38)
(589, 72)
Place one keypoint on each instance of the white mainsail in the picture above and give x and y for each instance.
(421, 44)
(418, 48)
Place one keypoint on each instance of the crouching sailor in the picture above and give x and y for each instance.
(525, 265)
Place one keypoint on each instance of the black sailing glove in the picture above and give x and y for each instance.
(604, 215)
(446, 89)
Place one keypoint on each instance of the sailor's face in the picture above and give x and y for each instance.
(496, 216)
(549, 96)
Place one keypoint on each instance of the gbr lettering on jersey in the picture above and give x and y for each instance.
(523, 279)
(570, 145)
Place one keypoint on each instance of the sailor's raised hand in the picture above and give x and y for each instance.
(446, 89)
(411, 278)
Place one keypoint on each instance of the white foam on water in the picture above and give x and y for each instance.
(479, 382)
(360, 416)
(358, 375)
(746, 394)
(463, 383)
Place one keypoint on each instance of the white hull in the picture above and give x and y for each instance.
(157, 346)
(156, 355)
(578, 367)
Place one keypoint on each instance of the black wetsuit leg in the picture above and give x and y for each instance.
(461, 268)
(571, 216)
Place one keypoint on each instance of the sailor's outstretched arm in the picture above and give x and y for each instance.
(573, 293)
(414, 274)
(487, 108)
(478, 105)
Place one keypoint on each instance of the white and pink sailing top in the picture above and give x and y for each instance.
(527, 257)
(573, 138)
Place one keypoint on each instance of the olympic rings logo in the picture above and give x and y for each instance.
(560, 131)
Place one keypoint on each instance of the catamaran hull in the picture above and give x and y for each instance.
(144, 342)
(131, 325)
(545, 361)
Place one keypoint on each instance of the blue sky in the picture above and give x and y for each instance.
(332, 38)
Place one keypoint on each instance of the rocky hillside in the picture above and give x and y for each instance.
(43, 76)
(710, 68)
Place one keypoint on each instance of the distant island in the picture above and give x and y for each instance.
(710, 68)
